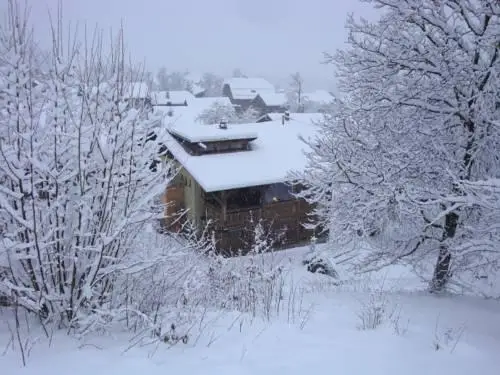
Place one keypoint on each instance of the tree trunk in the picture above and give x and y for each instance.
(442, 271)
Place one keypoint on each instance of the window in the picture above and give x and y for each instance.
(278, 193)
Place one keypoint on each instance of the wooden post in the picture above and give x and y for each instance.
(223, 196)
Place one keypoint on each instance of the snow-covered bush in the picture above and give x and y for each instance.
(374, 311)
(218, 112)
(76, 184)
(447, 338)
(226, 112)
(252, 283)
(249, 115)
(319, 261)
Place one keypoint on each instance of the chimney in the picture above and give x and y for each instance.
(223, 124)
(285, 117)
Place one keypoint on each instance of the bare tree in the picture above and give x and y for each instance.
(76, 187)
(295, 93)
(175, 80)
(212, 83)
(237, 73)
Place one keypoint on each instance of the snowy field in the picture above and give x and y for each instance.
(384, 324)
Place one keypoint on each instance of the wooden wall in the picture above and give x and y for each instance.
(284, 219)
(173, 199)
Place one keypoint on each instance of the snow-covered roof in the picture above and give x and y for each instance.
(319, 96)
(211, 133)
(197, 89)
(273, 99)
(248, 88)
(195, 79)
(188, 115)
(303, 118)
(277, 151)
(174, 97)
(137, 90)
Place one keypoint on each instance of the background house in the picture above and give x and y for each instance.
(268, 102)
(242, 91)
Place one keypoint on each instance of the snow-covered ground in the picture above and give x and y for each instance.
(319, 329)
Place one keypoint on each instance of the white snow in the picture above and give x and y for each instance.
(184, 116)
(273, 99)
(277, 151)
(319, 97)
(248, 88)
(195, 79)
(304, 118)
(318, 334)
(173, 97)
(207, 133)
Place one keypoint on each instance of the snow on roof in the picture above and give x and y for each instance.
(319, 96)
(197, 89)
(273, 99)
(211, 133)
(303, 118)
(195, 80)
(248, 88)
(174, 97)
(277, 151)
(137, 90)
(210, 101)
(188, 115)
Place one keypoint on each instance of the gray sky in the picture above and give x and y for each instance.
(269, 38)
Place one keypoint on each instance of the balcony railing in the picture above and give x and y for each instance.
(239, 217)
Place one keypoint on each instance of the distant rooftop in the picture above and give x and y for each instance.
(319, 96)
(248, 88)
(273, 99)
(173, 97)
(181, 117)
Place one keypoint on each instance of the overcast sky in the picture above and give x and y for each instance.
(270, 38)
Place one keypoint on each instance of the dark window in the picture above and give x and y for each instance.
(277, 193)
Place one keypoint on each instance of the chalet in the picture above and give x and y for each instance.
(194, 84)
(197, 90)
(243, 91)
(232, 176)
(268, 102)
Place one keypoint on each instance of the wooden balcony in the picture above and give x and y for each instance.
(241, 216)
(234, 228)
